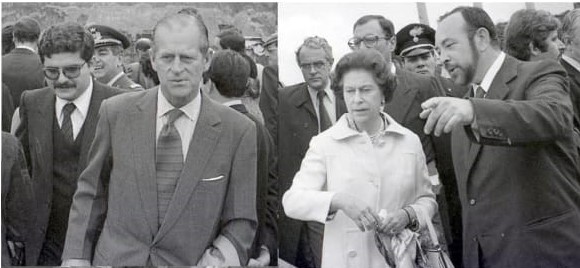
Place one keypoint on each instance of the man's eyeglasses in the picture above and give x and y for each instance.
(317, 65)
(70, 71)
(369, 41)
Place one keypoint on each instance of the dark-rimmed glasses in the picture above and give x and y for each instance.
(369, 41)
(70, 71)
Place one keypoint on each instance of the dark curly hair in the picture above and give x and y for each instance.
(229, 71)
(370, 60)
(68, 37)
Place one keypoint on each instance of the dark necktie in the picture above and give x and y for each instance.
(479, 92)
(324, 119)
(168, 162)
(66, 127)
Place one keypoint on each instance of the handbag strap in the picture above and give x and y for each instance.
(430, 227)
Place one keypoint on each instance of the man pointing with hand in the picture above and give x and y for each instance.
(512, 140)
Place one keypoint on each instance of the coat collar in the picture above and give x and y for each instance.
(342, 130)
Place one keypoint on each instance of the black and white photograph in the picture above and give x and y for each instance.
(376, 134)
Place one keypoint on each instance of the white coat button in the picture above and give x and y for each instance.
(352, 254)
(472, 202)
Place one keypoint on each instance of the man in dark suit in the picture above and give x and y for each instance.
(270, 85)
(182, 189)
(516, 164)
(56, 130)
(230, 71)
(107, 62)
(21, 68)
(304, 110)
(571, 59)
(18, 206)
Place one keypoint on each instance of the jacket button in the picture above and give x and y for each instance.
(352, 254)
(472, 202)
(153, 250)
(502, 235)
(475, 239)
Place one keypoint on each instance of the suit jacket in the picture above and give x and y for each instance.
(213, 204)
(37, 114)
(519, 183)
(269, 97)
(405, 106)
(7, 108)
(297, 124)
(21, 70)
(574, 76)
(267, 198)
(18, 206)
(126, 83)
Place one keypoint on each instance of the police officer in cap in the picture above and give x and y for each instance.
(107, 62)
(415, 45)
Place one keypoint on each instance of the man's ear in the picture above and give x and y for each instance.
(393, 42)
(208, 57)
(482, 39)
(535, 51)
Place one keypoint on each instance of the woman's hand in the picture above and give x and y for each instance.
(356, 210)
(394, 223)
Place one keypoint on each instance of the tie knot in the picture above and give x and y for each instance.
(173, 114)
(479, 92)
(68, 108)
(321, 93)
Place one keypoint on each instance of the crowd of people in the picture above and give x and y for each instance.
(463, 140)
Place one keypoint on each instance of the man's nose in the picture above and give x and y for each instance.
(176, 65)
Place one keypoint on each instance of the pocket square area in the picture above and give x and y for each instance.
(214, 178)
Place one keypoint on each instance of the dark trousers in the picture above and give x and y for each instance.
(310, 245)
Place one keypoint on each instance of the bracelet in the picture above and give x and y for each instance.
(408, 216)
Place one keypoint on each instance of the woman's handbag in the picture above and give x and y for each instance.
(430, 255)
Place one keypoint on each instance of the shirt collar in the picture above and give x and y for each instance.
(82, 102)
(26, 47)
(191, 110)
(313, 92)
(232, 103)
(491, 73)
(572, 62)
(114, 79)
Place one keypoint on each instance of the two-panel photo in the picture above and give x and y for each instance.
(291, 135)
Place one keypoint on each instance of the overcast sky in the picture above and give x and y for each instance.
(334, 21)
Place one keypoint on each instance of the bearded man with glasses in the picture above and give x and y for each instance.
(57, 126)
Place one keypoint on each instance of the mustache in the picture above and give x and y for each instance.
(64, 85)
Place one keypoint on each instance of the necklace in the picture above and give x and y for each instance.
(375, 138)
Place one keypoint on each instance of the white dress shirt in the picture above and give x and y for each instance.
(79, 114)
(329, 102)
(490, 74)
(185, 124)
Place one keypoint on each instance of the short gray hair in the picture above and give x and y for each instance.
(316, 42)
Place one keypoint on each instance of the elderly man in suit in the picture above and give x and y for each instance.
(107, 62)
(513, 151)
(21, 68)
(304, 110)
(57, 127)
(182, 188)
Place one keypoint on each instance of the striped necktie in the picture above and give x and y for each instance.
(67, 129)
(168, 162)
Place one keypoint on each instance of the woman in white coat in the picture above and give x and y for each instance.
(365, 163)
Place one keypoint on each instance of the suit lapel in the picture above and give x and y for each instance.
(143, 124)
(42, 122)
(201, 147)
(302, 99)
(498, 90)
(90, 124)
(402, 100)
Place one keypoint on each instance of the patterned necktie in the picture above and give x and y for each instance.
(479, 92)
(168, 162)
(324, 119)
(66, 127)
